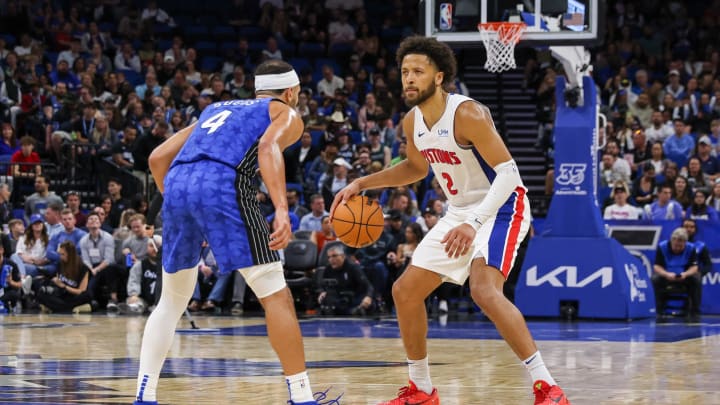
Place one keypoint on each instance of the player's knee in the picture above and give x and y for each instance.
(265, 279)
(484, 294)
(402, 294)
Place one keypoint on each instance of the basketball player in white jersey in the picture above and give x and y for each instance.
(487, 218)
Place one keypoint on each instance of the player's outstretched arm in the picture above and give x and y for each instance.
(161, 158)
(285, 129)
(410, 170)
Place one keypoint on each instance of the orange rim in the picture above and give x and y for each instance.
(505, 30)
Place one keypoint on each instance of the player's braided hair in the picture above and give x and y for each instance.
(438, 52)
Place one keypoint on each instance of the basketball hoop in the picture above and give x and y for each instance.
(500, 39)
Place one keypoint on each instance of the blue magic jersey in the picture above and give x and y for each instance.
(226, 132)
(210, 190)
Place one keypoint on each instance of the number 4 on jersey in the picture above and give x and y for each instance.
(216, 121)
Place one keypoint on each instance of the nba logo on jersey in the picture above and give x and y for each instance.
(445, 16)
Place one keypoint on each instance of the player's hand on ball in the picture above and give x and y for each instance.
(459, 240)
(282, 233)
(343, 195)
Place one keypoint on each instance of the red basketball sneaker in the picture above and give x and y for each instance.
(410, 395)
(549, 395)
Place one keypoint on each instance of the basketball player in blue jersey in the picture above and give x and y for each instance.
(206, 173)
(487, 218)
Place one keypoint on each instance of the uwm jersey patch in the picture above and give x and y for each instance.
(461, 171)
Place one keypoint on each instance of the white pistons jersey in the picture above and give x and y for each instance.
(462, 173)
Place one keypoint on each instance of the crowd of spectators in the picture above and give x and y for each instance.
(658, 79)
(88, 90)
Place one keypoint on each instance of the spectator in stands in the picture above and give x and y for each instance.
(6, 213)
(314, 120)
(664, 207)
(611, 172)
(127, 59)
(657, 158)
(703, 254)
(144, 280)
(53, 219)
(313, 220)
(63, 74)
(72, 201)
(69, 232)
(72, 54)
(100, 211)
(714, 199)
(322, 164)
(31, 249)
(25, 165)
(714, 136)
(621, 209)
(340, 31)
(332, 182)
(329, 83)
(644, 186)
(8, 142)
(151, 85)
(674, 87)
(642, 110)
(10, 281)
(68, 290)
(676, 263)
(297, 158)
(699, 209)
(41, 199)
(709, 164)
(343, 287)
(324, 235)
(136, 244)
(680, 146)
(119, 203)
(682, 192)
(92, 38)
(429, 219)
(369, 113)
(17, 229)
(294, 206)
(271, 51)
(697, 179)
(640, 149)
(152, 15)
(379, 152)
(400, 259)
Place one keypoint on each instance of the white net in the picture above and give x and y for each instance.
(499, 40)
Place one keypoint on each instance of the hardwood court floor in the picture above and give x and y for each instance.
(92, 359)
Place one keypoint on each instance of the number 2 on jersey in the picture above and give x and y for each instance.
(449, 183)
(216, 121)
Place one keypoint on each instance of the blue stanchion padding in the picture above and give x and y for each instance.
(599, 274)
(574, 209)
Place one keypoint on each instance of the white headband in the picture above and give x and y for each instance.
(279, 81)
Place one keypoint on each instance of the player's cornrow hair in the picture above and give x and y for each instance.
(438, 52)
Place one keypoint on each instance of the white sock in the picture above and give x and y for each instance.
(420, 374)
(147, 386)
(299, 387)
(177, 289)
(536, 367)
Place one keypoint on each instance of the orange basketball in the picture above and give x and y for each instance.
(359, 222)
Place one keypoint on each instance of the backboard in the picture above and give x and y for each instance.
(550, 22)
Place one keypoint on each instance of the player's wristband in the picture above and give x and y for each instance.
(475, 223)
